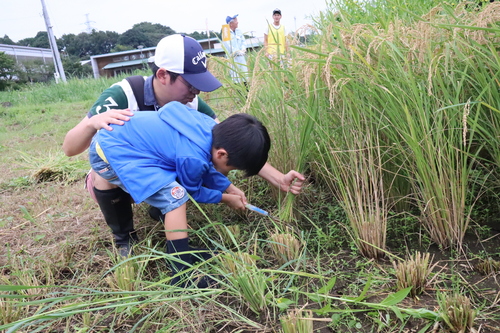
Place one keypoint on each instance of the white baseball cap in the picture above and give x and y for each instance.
(184, 55)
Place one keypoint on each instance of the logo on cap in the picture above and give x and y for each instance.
(200, 57)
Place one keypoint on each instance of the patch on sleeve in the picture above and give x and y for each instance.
(177, 192)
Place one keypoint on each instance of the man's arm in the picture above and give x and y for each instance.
(110, 108)
(79, 137)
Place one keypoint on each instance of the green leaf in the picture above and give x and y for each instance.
(397, 297)
(329, 286)
(284, 303)
(324, 310)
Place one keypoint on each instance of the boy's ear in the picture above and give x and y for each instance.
(220, 153)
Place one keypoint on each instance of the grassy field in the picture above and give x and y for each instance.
(393, 117)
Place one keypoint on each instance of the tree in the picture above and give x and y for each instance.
(153, 31)
(7, 70)
(198, 35)
(85, 45)
(40, 40)
(134, 38)
(74, 69)
(7, 40)
(103, 41)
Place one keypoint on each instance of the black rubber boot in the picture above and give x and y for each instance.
(117, 211)
(186, 260)
(155, 214)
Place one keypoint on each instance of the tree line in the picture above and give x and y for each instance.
(77, 47)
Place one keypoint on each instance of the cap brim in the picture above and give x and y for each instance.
(202, 81)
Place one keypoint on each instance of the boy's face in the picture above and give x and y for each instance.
(219, 159)
(276, 18)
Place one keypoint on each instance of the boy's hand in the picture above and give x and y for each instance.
(236, 191)
(233, 201)
(292, 182)
(112, 116)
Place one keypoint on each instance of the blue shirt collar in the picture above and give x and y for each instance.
(149, 93)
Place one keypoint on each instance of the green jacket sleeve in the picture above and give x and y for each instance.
(204, 108)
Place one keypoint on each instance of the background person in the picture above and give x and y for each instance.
(275, 37)
(236, 49)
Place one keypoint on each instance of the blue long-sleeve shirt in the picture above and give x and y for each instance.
(153, 149)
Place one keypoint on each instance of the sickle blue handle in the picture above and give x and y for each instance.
(257, 209)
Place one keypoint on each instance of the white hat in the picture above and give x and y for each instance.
(184, 55)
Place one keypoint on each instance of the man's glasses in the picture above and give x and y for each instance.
(190, 87)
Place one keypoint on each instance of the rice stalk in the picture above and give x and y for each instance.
(247, 280)
(457, 312)
(53, 166)
(286, 248)
(355, 175)
(414, 272)
(124, 277)
(488, 266)
(297, 321)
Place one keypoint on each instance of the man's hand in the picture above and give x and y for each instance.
(113, 116)
(292, 182)
(233, 201)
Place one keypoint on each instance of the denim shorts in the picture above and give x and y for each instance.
(168, 198)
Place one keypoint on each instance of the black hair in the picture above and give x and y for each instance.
(245, 140)
(155, 68)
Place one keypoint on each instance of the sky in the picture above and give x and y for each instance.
(21, 19)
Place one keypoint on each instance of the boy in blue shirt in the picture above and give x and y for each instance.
(159, 157)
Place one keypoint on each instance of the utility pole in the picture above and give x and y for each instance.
(52, 40)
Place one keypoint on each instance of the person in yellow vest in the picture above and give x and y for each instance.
(274, 39)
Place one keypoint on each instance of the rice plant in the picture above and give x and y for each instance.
(286, 248)
(229, 234)
(247, 280)
(297, 321)
(125, 276)
(457, 312)
(10, 311)
(414, 272)
(289, 101)
(488, 266)
(352, 164)
(397, 80)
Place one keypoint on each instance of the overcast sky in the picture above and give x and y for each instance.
(23, 18)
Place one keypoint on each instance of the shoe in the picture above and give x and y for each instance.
(155, 214)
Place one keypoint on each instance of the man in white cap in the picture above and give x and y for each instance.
(236, 49)
(179, 74)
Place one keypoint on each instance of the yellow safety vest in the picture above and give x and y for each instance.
(276, 40)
